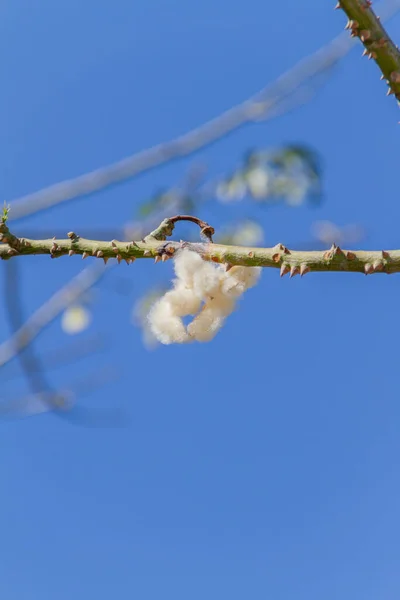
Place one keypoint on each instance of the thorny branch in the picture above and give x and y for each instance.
(262, 105)
(288, 261)
(364, 24)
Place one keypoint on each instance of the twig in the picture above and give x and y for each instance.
(295, 262)
(165, 229)
(261, 106)
(364, 24)
(49, 311)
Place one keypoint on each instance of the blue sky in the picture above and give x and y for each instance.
(264, 464)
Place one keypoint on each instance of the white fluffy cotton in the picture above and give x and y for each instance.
(167, 327)
(199, 282)
(211, 318)
(240, 279)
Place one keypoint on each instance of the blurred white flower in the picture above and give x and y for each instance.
(259, 182)
(233, 189)
(328, 233)
(248, 233)
(75, 318)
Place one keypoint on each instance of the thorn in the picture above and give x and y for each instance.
(352, 25)
(85, 255)
(128, 261)
(395, 76)
(72, 235)
(365, 34)
(228, 267)
(351, 256)
(157, 259)
(385, 254)
(94, 251)
(372, 55)
(99, 254)
(251, 254)
(378, 265)
(368, 268)
(304, 269)
(115, 250)
(54, 247)
(12, 251)
(294, 271)
(336, 250)
(389, 92)
(284, 269)
(337, 6)
(276, 257)
(365, 52)
(113, 243)
(119, 258)
(164, 257)
(382, 77)
(53, 238)
(105, 258)
(71, 252)
(147, 253)
(133, 258)
(133, 244)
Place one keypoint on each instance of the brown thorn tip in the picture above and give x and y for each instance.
(133, 258)
(351, 256)
(147, 253)
(99, 253)
(85, 255)
(294, 271)
(71, 252)
(71, 235)
(276, 257)
(385, 254)
(119, 258)
(378, 265)
(157, 259)
(284, 269)
(389, 92)
(365, 52)
(337, 6)
(113, 243)
(365, 34)
(304, 269)
(105, 258)
(164, 257)
(368, 268)
(128, 261)
(382, 77)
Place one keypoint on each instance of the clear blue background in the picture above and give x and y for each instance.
(262, 465)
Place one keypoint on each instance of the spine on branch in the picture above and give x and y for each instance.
(365, 24)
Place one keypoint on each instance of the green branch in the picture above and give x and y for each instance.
(288, 261)
(364, 24)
